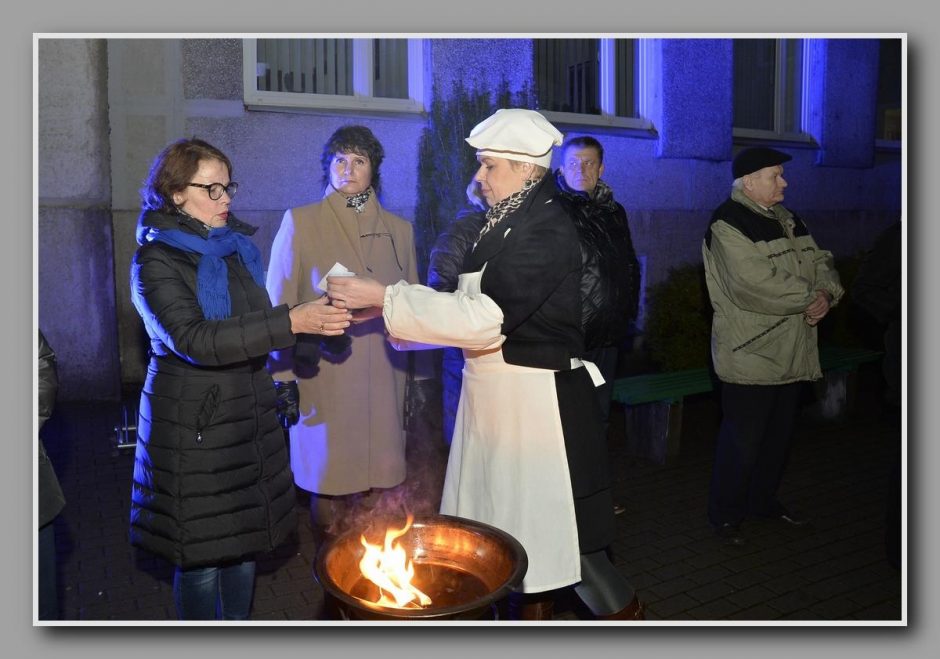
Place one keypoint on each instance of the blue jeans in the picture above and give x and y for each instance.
(214, 593)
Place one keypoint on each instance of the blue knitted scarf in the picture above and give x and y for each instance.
(212, 274)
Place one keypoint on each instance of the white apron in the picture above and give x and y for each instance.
(508, 466)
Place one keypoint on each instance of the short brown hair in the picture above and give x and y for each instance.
(353, 139)
(173, 169)
(583, 142)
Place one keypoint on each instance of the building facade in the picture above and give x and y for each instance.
(670, 112)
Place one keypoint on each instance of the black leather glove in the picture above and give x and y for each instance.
(307, 351)
(288, 403)
(335, 345)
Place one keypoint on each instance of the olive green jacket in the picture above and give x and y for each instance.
(762, 269)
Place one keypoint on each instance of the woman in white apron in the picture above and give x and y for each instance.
(528, 455)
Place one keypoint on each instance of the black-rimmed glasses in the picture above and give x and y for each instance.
(215, 190)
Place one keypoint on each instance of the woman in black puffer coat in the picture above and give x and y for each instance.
(212, 484)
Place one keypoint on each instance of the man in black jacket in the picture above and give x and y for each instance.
(611, 284)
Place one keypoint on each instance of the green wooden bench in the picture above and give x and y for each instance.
(667, 387)
(653, 401)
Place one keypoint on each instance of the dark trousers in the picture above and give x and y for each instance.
(752, 450)
(606, 361)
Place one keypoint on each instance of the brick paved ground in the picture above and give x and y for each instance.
(835, 571)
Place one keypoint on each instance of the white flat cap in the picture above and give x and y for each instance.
(516, 134)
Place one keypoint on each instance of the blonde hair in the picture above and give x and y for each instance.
(537, 170)
(475, 196)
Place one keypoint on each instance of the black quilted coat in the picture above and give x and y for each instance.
(212, 480)
(610, 277)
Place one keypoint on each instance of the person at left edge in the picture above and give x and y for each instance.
(212, 485)
(51, 497)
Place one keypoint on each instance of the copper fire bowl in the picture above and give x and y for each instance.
(463, 565)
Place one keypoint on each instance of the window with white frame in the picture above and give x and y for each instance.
(334, 74)
(590, 81)
(768, 88)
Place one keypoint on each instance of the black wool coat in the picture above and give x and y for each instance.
(542, 322)
(541, 313)
(212, 480)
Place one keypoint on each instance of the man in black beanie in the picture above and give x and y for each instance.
(769, 285)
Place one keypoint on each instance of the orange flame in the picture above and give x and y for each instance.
(390, 569)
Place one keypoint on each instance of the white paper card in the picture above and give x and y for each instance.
(338, 270)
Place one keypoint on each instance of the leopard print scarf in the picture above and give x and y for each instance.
(503, 208)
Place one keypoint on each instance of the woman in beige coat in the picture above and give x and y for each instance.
(349, 437)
